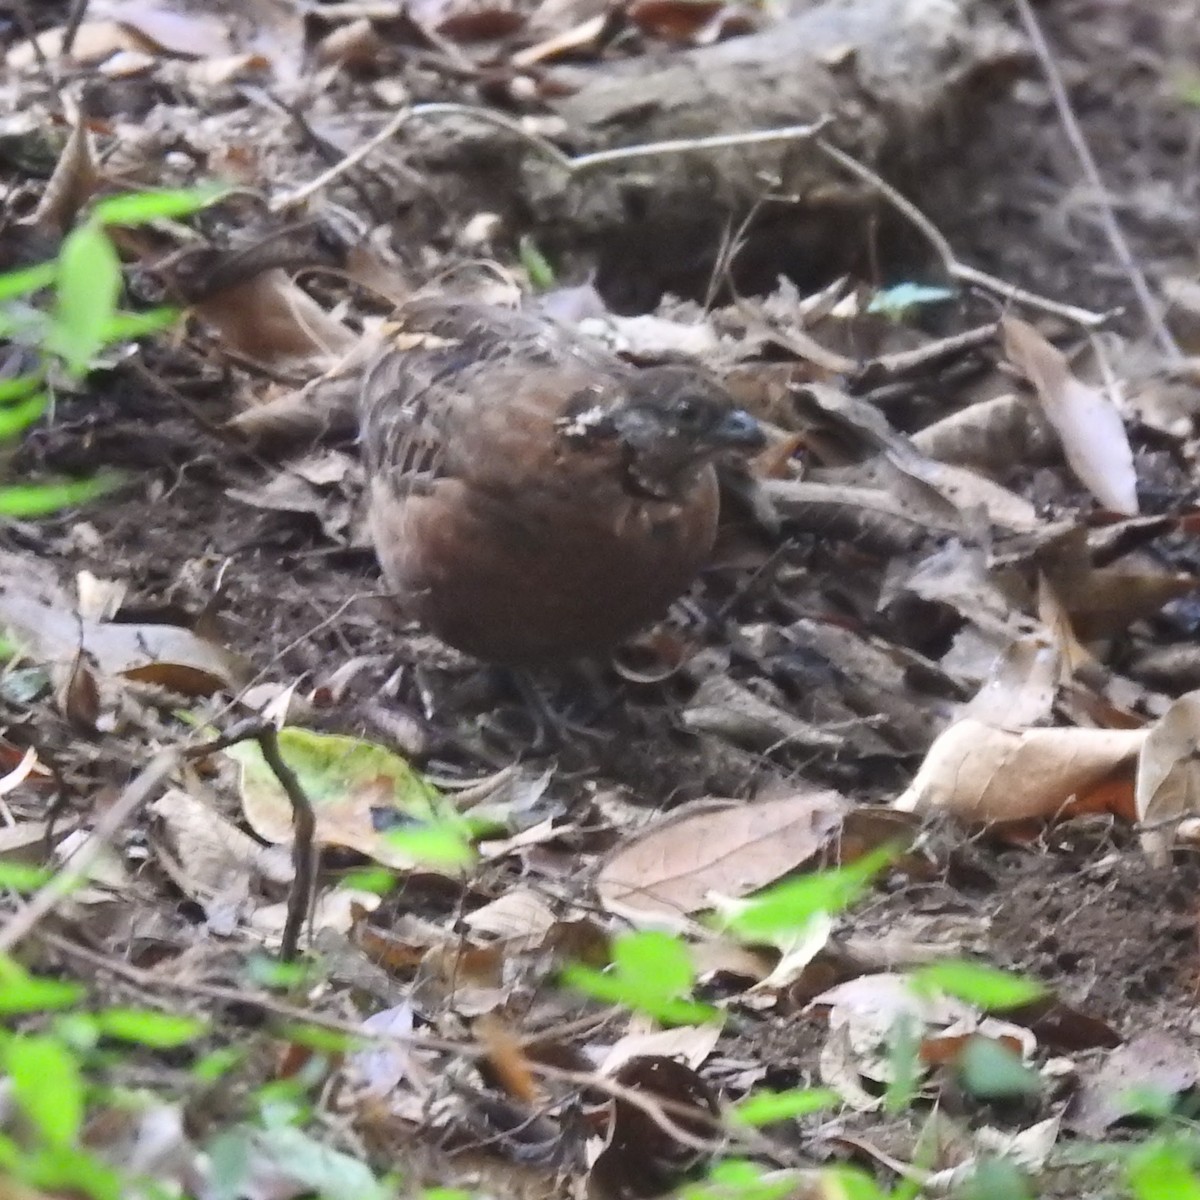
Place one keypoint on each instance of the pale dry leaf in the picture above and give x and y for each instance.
(383, 1065)
(991, 434)
(216, 856)
(167, 655)
(1021, 687)
(1168, 774)
(982, 772)
(838, 1068)
(677, 865)
(1157, 1061)
(691, 1044)
(337, 909)
(1073, 655)
(17, 776)
(520, 913)
(1029, 1147)
(94, 42)
(170, 31)
(272, 321)
(1087, 422)
(798, 952)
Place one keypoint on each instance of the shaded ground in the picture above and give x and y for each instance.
(1077, 907)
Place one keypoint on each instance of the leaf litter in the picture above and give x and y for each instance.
(934, 593)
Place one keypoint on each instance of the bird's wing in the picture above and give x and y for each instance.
(446, 367)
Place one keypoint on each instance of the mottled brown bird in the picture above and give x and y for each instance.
(532, 497)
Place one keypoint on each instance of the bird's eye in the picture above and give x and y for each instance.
(689, 412)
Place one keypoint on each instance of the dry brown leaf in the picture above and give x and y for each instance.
(1168, 774)
(579, 38)
(272, 321)
(673, 20)
(183, 34)
(1085, 418)
(94, 42)
(1158, 1061)
(519, 914)
(166, 655)
(1109, 599)
(217, 858)
(676, 866)
(991, 435)
(691, 1043)
(982, 772)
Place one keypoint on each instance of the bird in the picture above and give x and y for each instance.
(532, 498)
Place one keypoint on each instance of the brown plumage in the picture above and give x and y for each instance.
(532, 497)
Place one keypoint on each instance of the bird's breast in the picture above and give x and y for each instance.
(543, 569)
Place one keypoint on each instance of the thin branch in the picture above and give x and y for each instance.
(1112, 227)
(304, 822)
(304, 855)
(952, 266)
(74, 20)
(655, 1107)
(578, 165)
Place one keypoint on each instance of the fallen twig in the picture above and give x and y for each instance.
(572, 166)
(952, 266)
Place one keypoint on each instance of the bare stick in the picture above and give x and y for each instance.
(1112, 227)
(955, 269)
(572, 166)
(304, 822)
(27, 27)
(74, 20)
(304, 856)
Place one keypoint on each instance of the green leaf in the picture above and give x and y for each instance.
(317, 1037)
(280, 976)
(651, 972)
(657, 961)
(67, 1170)
(217, 1064)
(129, 326)
(16, 418)
(738, 1179)
(292, 1154)
(767, 1107)
(48, 1086)
(789, 906)
(40, 499)
(374, 879)
(26, 280)
(147, 1027)
(20, 877)
(21, 992)
(137, 208)
(904, 1059)
(433, 844)
(89, 283)
(20, 387)
(364, 797)
(537, 266)
(992, 1071)
(996, 1179)
(983, 986)
(1163, 1170)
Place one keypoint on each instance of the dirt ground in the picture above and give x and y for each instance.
(1075, 905)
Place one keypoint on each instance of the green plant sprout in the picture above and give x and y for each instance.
(75, 318)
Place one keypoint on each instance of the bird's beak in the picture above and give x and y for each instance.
(738, 430)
